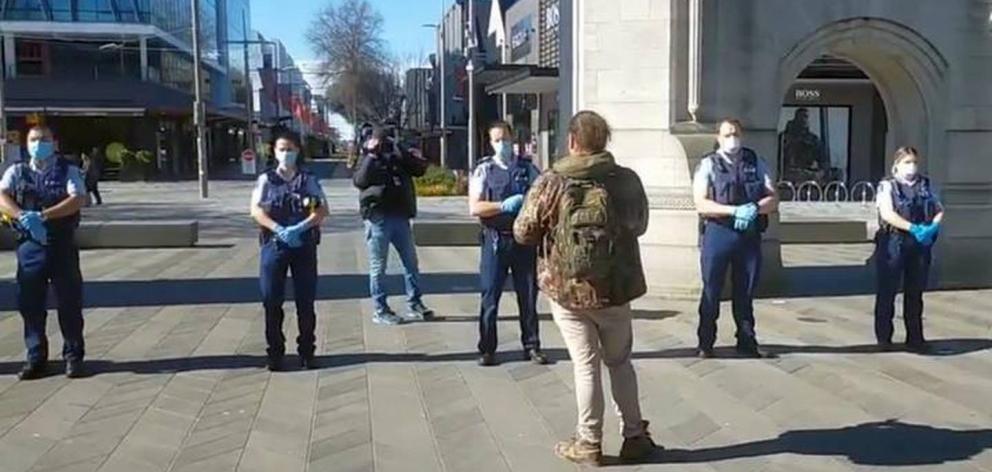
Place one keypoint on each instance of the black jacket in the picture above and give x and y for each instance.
(386, 184)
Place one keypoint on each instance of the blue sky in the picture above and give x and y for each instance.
(288, 21)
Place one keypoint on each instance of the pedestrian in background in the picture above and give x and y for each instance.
(92, 170)
(384, 175)
(496, 194)
(43, 197)
(910, 214)
(586, 215)
(289, 205)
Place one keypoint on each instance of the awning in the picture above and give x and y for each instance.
(78, 111)
(518, 79)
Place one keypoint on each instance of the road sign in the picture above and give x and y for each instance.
(248, 162)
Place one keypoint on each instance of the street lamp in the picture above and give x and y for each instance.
(198, 106)
(3, 116)
(442, 99)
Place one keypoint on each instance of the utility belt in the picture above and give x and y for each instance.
(312, 236)
(760, 223)
(62, 229)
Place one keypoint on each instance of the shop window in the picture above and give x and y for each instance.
(32, 58)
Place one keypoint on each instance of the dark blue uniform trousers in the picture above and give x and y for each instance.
(900, 260)
(723, 247)
(38, 265)
(501, 254)
(276, 258)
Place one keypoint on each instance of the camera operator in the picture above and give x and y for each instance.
(388, 202)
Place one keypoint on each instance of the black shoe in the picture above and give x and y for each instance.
(752, 352)
(886, 347)
(921, 347)
(535, 356)
(75, 369)
(308, 363)
(274, 364)
(33, 371)
(705, 353)
(487, 359)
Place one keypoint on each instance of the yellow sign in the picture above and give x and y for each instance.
(35, 119)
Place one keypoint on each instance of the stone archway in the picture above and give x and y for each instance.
(907, 69)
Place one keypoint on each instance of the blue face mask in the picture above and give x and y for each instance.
(41, 150)
(287, 158)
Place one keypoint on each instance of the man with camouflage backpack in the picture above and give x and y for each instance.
(585, 216)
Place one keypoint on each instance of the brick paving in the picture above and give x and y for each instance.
(176, 344)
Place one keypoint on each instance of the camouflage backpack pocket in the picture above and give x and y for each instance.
(584, 239)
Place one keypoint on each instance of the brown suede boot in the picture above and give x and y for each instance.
(580, 452)
(639, 448)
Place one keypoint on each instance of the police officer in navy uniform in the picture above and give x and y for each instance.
(910, 215)
(289, 205)
(733, 193)
(496, 194)
(41, 200)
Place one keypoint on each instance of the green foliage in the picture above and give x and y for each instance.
(441, 182)
(114, 151)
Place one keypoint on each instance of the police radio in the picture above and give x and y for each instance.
(13, 224)
(311, 203)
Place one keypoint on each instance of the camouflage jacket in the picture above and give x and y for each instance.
(537, 220)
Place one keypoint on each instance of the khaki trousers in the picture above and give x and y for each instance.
(596, 337)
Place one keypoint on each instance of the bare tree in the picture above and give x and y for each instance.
(347, 38)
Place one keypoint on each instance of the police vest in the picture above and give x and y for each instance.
(914, 202)
(520, 182)
(38, 191)
(288, 203)
(737, 183)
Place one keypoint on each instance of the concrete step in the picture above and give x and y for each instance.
(126, 234)
(466, 233)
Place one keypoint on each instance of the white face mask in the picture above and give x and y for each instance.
(730, 144)
(286, 158)
(907, 170)
(502, 151)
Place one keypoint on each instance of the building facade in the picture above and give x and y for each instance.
(102, 71)
(870, 76)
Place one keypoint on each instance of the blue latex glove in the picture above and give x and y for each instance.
(919, 233)
(930, 233)
(747, 212)
(744, 216)
(512, 205)
(32, 222)
(741, 224)
(295, 234)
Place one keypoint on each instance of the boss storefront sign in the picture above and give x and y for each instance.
(520, 34)
(550, 19)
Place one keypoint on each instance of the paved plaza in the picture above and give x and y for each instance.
(175, 342)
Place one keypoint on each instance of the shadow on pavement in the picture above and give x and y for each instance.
(949, 347)
(637, 315)
(134, 293)
(938, 348)
(888, 443)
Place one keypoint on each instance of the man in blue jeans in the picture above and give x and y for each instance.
(384, 174)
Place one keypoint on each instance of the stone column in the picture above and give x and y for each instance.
(636, 90)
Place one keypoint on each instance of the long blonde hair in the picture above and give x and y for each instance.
(901, 154)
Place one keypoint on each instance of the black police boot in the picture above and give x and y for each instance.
(274, 363)
(487, 359)
(33, 370)
(75, 369)
(308, 363)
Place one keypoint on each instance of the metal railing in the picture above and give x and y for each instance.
(786, 186)
(864, 192)
(807, 194)
(837, 191)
